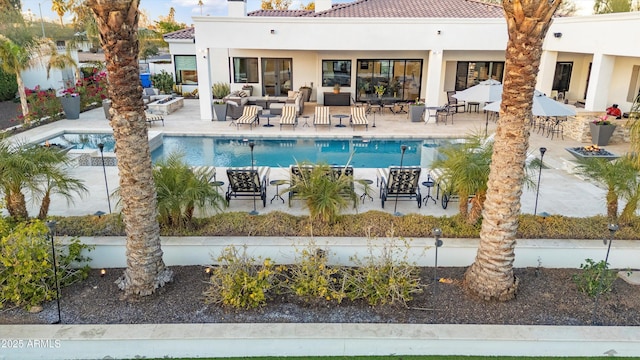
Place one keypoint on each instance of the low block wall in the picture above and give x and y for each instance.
(577, 128)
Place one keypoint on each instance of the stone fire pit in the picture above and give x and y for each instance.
(591, 151)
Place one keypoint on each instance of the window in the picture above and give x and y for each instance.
(470, 73)
(186, 71)
(401, 79)
(634, 85)
(336, 72)
(245, 70)
(562, 77)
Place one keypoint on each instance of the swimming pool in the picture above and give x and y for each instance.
(277, 152)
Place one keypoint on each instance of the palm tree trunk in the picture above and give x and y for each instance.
(16, 205)
(491, 275)
(612, 206)
(118, 25)
(23, 97)
(44, 206)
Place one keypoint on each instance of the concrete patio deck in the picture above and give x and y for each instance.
(561, 192)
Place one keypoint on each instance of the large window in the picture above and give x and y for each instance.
(470, 73)
(186, 71)
(336, 72)
(399, 79)
(634, 85)
(245, 70)
(562, 77)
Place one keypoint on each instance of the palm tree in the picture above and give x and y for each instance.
(466, 172)
(14, 59)
(60, 7)
(118, 25)
(182, 191)
(491, 275)
(619, 176)
(36, 169)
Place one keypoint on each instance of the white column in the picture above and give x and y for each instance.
(204, 84)
(547, 71)
(435, 79)
(599, 82)
(237, 8)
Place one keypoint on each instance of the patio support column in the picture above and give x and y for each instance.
(435, 79)
(205, 96)
(599, 82)
(547, 72)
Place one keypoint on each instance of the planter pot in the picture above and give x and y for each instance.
(415, 113)
(600, 134)
(221, 111)
(106, 105)
(306, 94)
(71, 107)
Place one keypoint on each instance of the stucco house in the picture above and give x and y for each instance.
(414, 48)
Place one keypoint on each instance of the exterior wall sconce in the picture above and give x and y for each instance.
(439, 32)
(203, 52)
(557, 35)
(273, 32)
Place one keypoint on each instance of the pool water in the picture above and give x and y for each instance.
(281, 152)
(361, 153)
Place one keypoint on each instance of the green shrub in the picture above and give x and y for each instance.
(26, 273)
(237, 282)
(311, 279)
(384, 278)
(595, 278)
(8, 86)
(163, 81)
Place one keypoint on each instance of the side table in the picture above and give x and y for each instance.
(341, 116)
(306, 117)
(428, 184)
(365, 194)
(473, 105)
(277, 183)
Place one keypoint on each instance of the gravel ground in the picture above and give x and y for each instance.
(8, 112)
(546, 297)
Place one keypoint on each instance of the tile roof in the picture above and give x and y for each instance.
(184, 34)
(398, 9)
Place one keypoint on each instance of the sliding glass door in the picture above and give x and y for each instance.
(394, 79)
(276, 76)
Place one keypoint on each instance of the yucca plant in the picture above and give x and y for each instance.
(325, 194)
(220, 90)
(181, 191)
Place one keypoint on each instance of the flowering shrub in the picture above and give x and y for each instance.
(42, 104)
(602, 120)
(418, 102)
(92, 89)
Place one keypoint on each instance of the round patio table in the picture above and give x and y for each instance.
(268, 116)
(341, 116)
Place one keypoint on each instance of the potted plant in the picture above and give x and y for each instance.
(379, 90)
(601, 130)
(415, 110)
(220, 90)
(336, 88)
(220, 108)
(70, 101)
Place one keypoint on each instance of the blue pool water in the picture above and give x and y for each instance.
(281, 152)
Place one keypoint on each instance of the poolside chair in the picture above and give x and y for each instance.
(322, 116)
(207, 172)
(400, 183)
(248, 182)
(454, 103)
(359, 117)
(151, 118)
(249, 116)
(289, 116)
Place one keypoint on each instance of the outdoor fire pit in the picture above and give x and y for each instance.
(591, 151)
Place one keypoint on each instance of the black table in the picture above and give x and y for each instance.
(341, 116)
(365, 194)
(268, 116)
(306, 117)
(277, 183)
(428, 184)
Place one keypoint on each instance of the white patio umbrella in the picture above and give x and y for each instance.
(542, 106)
(485, 91)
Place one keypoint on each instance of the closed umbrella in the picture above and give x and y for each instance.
(485, 91)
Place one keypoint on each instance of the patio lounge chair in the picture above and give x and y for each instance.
(400, 183)
(249, 116)
(322, 117)
(151, 118)
(289, 116)
(299, 173)
(248, 182)
(359, 117)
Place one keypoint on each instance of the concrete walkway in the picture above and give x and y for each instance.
(561, 192)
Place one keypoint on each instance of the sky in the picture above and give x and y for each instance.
(185, 9)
